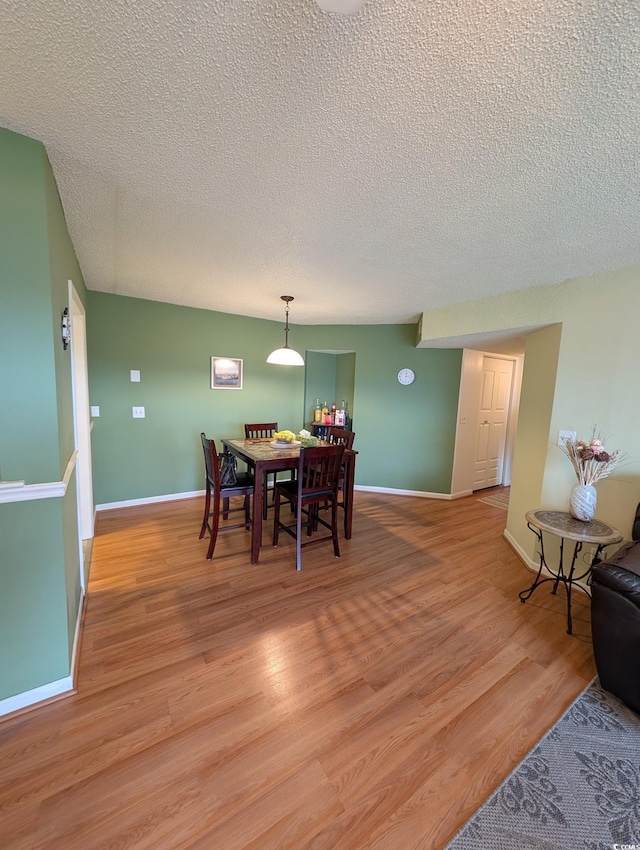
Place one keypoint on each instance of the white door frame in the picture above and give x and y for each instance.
(81, 423)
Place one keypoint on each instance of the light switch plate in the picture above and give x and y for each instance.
(135, 376)
(138, 412)
(563, 436)
(95, 410)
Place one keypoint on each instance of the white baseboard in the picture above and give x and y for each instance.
(526, 560)
(36, 695)
(391, 491)
(149, 500)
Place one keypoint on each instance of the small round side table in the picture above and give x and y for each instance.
(563, 525)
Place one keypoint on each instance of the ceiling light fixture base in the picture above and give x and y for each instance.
(342, 7)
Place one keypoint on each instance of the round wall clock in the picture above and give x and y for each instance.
(406, 376)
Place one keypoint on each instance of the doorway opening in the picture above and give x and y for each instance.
(329, 376)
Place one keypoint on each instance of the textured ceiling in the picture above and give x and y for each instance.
(221, 153)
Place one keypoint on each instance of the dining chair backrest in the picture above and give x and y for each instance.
(211, 462)
(256, 430)
(319, 470)
(341, 436)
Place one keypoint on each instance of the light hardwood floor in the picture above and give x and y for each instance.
(368, 702)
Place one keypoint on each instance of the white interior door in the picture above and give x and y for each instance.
(493, 413)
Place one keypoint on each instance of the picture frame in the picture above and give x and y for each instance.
(226, 373)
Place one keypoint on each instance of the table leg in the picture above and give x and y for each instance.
(560, 576)
(256, 528)
(525, 594)
(569, 584)
(349, 481)
(567, 579)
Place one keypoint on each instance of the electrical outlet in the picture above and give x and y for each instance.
(138, 412)
(95, 411)
(563, 436)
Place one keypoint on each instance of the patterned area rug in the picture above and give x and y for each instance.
(498, 500)
(579, 787)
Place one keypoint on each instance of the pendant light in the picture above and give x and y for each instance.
(286, 356)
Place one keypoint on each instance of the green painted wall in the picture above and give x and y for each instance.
(63, 268)
(405, 435)
(172, 348)
(39, 555)
(34, 647)
(345, 377)
(28, 409)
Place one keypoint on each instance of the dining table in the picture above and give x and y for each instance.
(261, 455)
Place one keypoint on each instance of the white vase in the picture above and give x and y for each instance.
(582, 503)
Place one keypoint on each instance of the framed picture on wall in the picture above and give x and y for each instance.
(226, 373)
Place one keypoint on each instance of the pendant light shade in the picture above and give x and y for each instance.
(286, 356)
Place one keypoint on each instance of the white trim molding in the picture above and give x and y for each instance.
(149, 500)
(32, 492)
(527, 561)
(393, 492)
(36, 695)
(174, 497)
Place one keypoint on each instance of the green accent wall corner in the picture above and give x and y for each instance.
(40, 588)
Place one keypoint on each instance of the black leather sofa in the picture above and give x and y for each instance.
(615, 620)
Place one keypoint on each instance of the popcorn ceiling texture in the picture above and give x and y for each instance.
(421, 153)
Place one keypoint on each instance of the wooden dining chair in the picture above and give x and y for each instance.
(316, 483)
(215, 493)
(340, 435)
(345, 438)
(257, 431)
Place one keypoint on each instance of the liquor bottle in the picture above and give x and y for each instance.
(317, 413)
(333, 413)
(325, 414)
(347, 418)
(340, 419)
